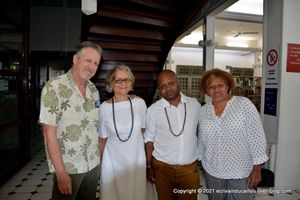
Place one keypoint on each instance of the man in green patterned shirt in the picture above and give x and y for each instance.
(69, 115)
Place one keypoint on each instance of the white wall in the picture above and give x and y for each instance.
(185, 56)
(233, 58)
(55, 28)
(193, 56)
(287, 174)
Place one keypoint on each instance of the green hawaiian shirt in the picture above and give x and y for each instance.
(76, 119)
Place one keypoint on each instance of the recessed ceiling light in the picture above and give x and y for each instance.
(237, 44)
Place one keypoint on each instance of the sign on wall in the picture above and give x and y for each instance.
(271, 82)
(272, 72)
(271, 68)
(270, 106)
(293, 58)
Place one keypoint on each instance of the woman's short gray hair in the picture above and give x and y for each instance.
(110, 77)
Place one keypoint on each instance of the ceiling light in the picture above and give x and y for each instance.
(237, 44)
(240, 38)
(89, 7)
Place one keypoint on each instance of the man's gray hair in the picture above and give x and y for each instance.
(88, 44)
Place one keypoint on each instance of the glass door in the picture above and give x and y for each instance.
(13, 143)
(14, 85)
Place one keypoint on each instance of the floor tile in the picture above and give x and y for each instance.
(3, 196)
(20, 196)
(37, 177)
(45, 188)
(32, 182)
(25, 188)
(7, 189)
(13, 182)
(48, 182)
(41, 196)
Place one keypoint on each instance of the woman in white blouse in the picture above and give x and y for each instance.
(232, 143)
(122, 122)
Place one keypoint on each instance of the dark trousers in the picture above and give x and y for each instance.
(84, 186)
(176, 182)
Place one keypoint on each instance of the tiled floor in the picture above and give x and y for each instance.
(34, 182)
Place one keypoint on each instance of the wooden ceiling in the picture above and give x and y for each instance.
(139, 34)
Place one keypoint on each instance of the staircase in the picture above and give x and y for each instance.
(139, 34)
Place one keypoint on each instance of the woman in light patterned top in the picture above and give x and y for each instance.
(232, 143)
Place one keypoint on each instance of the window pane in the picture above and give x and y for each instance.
(8, 99)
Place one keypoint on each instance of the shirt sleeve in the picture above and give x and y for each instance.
(150, 128)
(143, 113)
(199, 138)
(197, 107)
(255, 134)
(50, 109)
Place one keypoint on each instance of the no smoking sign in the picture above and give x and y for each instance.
(272, 57)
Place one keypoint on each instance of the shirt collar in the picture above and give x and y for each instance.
(70, 77)
(165, 103)
(72, 83)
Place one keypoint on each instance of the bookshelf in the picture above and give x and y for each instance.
(247, 84)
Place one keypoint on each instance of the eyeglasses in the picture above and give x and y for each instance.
(125, 80)
(213, 87)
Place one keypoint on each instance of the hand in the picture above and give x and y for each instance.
(255, 176)
(64, 183)
(151, 175)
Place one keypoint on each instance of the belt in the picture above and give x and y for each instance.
(172, 166)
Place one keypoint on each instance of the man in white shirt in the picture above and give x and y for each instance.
(171, 141)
